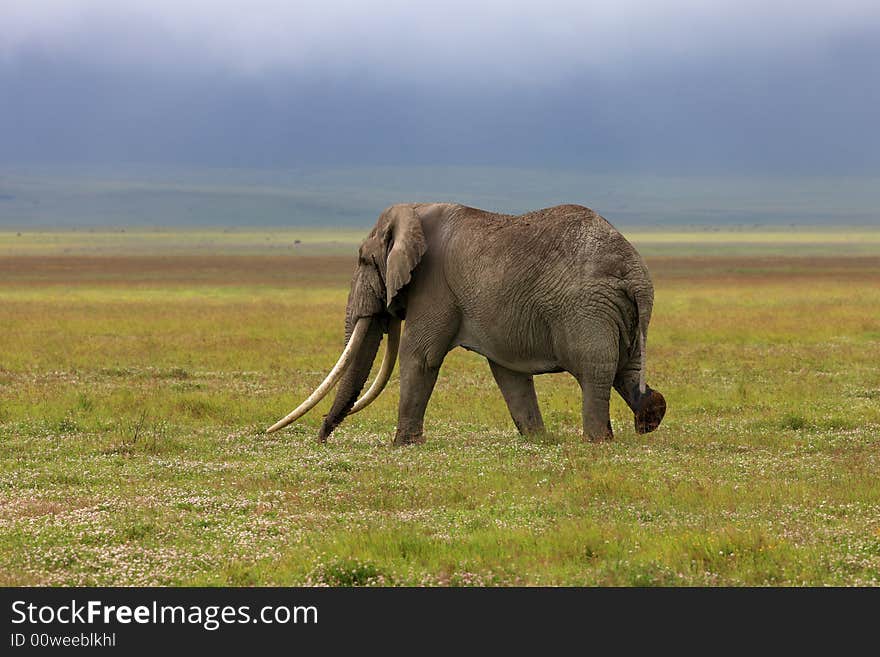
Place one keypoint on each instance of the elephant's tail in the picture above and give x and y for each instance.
(644, 300)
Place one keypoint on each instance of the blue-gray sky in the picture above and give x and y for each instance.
(665, 87)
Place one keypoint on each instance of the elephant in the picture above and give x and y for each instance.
(554, 290)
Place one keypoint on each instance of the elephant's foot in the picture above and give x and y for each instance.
(530, 429)
(601, 436)
(402, 439)
(650, 412)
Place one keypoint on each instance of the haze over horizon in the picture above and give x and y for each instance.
(639, 87)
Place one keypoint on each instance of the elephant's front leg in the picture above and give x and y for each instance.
(519, 393)
(417, 381)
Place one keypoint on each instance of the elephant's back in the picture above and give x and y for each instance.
(558, 217)
(559, 249)
(563, 235)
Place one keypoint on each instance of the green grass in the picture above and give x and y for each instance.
(133, 404)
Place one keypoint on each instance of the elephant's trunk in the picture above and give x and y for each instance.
(384, 375)
(354, 339)
(355, 376)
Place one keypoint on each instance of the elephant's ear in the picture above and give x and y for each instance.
(406, 246)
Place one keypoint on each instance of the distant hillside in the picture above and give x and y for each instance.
(353, 197)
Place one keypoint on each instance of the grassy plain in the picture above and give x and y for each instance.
(136, 379)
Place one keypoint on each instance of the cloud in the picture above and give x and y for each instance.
(628, 84)
(516, 41)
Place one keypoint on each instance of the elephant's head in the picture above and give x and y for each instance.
(386, 260)
(376, 304)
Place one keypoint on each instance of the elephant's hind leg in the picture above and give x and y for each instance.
(519, 393)
(596, 408)
(648, 408)
(596, 371)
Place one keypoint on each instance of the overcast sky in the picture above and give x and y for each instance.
(671, 87)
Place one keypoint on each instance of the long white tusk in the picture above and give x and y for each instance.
(354, 343)
(385, 370)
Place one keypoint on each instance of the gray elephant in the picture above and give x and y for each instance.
(556, 290)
